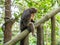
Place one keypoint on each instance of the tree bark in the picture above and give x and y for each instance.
(40, 35)
(25, 41)
(7, 31)
(53, 36)
(42, 20)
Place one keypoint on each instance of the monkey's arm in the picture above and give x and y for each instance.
(31, 28)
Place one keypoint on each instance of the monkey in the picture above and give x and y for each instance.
(27, 20)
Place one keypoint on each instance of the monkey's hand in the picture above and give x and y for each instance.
(33, 21)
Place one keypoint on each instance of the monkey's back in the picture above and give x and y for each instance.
(25, 19)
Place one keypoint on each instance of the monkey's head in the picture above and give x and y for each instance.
(32, 11)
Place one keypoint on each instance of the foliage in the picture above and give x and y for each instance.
(43, 6)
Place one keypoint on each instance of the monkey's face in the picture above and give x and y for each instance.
(32, 16)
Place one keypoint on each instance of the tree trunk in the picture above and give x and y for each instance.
(7, 31)
(25, 41)
(53, 36)
(40, 35)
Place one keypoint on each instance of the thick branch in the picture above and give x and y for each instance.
(24, 33)
(47, 16)
(40, 35)
(17, 38)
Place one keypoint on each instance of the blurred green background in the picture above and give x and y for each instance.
(43, 7)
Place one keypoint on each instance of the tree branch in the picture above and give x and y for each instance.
(48, 16)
